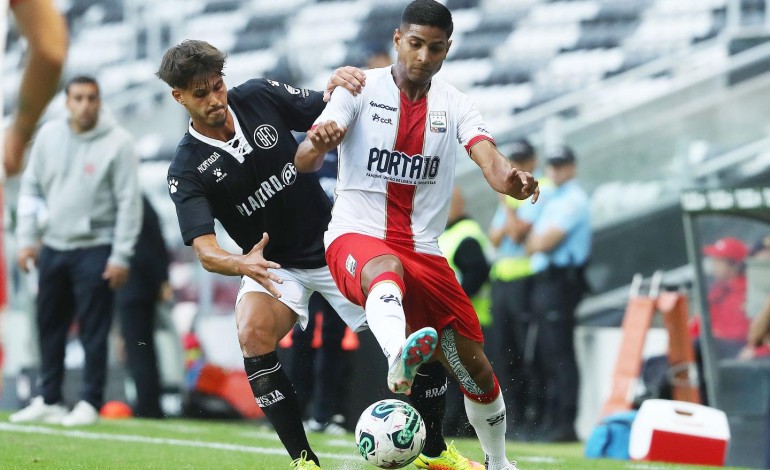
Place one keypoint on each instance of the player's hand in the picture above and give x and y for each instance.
(26, 259)
(521, 185)
(350, 78)
(13, 155)
(116, 274)
(255, 266)
(326, 136)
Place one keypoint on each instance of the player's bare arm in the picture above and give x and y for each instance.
(319, 140)
(350, 78)
(500, 175)
(46, 32)
(253, 264)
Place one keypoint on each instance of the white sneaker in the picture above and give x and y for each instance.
(417, 349)
(311, 425)
(334, 429)
(83, 414)
(38, 411)
(509, 466)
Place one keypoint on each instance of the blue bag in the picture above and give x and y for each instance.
(610, 438)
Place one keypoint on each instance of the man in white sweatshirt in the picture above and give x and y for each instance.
(82, 174)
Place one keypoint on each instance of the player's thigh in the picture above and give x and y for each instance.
(261, 317)
(256, 309)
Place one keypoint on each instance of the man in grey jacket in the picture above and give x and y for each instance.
(82, 180)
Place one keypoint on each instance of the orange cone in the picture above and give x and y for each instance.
(116, 410)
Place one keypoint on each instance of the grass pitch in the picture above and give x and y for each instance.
(190, 444)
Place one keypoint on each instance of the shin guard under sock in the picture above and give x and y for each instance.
(276, 397)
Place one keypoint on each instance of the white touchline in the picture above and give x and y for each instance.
(99, 436)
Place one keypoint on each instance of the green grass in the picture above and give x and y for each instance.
(190, 444)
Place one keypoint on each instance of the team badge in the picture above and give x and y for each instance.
(437, 121)
(265, 136)
(351, 264)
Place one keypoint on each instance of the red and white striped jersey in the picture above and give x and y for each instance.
(397, 160)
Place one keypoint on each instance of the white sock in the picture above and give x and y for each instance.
(488, 419)
(385, 315)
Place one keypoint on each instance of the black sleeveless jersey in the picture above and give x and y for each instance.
(259, 191)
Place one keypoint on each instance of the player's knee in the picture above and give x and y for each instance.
(375, 268)
(255, 337)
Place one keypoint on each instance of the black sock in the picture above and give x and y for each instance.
(276, 397)
(429, 399)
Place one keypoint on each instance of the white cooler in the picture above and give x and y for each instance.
(679, 432)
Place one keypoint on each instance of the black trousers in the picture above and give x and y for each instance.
(137, 323)
(71, 288)
(512, 352)
(555, 295)
(319, 376)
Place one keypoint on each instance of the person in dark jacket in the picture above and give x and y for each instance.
(136, 304)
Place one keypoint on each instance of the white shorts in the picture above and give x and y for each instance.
(295, 291)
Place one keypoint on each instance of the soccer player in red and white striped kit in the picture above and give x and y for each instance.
(397, 142)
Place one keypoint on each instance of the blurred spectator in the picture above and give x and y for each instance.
(83, 171)
(512, 340)
(466, 247)
(726, 295)
(45, 30)
(378, 56)
(726, 303)
(560, 245)
(136, 303)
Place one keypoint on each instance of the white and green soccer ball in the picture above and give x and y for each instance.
(390, 434)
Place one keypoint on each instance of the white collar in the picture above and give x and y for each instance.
(237, 151)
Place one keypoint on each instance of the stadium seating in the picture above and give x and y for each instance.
(511, 56)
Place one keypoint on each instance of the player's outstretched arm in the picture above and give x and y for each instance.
(319, 140)
(500, 175)
(253, 264)
(46, 33)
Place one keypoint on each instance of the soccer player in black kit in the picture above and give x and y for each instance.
(236, 164)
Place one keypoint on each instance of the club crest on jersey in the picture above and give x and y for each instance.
(265, 136)
(351, 264)
(437, 121)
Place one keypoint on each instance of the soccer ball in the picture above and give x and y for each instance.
(390, 434)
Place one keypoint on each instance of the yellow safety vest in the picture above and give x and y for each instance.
(449, 241)
(510, 268)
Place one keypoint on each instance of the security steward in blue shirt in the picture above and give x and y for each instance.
(560, 244)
